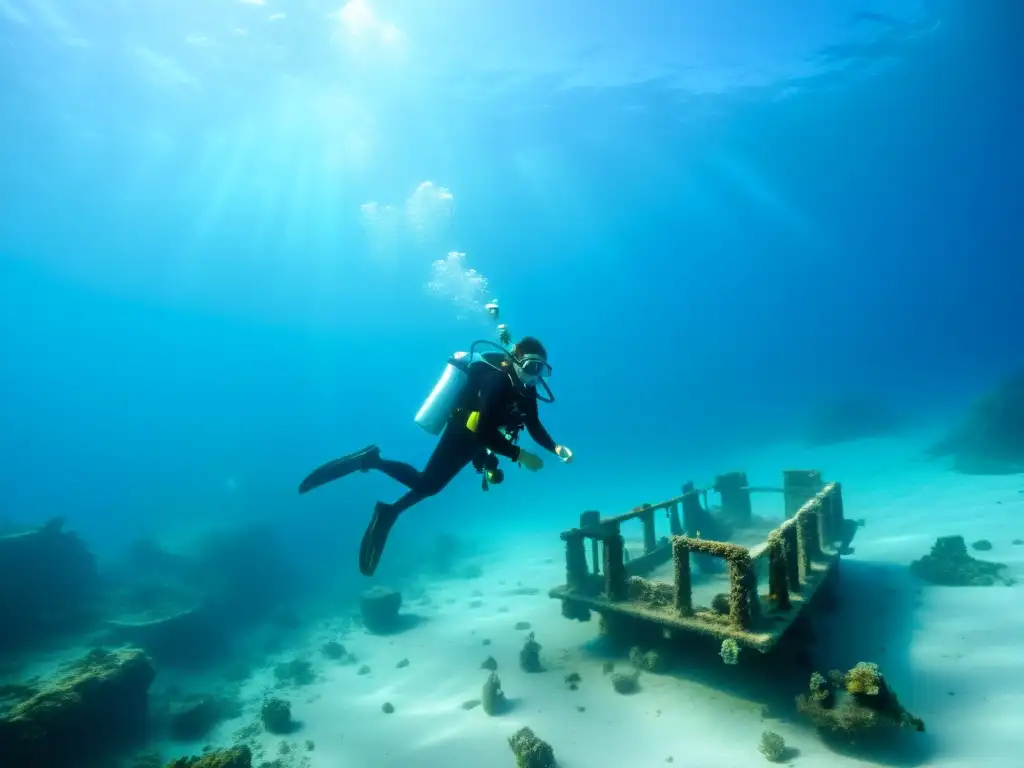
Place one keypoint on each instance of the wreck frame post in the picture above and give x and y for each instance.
(799, 486)
(797, 557)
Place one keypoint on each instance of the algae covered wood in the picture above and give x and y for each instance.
(800, 556)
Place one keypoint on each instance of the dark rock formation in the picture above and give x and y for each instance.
(276, 715)
(851, 417)
(236, 757)
(529, 655)
(185, 608)
(626, 684)
(380, 606)
(193, 717)
(720, 604)
(296, 672)
(334, 650)
(989, 440)
(494, 701)
(852, 708)
(186, 635)
(244, 573)
(94, 705)
(49, 586)
(949, 565)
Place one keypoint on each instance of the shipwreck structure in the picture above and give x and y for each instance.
(723, 572)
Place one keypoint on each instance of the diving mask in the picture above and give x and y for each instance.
(532, 367)
(502, 359)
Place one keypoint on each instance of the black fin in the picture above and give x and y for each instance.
(376, 537)
(338, 468)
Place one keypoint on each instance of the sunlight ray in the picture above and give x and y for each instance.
(231, 157)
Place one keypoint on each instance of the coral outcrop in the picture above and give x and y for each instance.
(949, 565)
(650, 661)
(94, 705)
(852, 707)
(236, 757)
(730, 651)
(380, 607)
(276, 715)
(531, 751)
(772, 746)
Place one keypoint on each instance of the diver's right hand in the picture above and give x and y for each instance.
(530, 461)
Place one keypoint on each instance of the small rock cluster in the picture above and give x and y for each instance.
(852, 707)
(380, 607)
(949, 565)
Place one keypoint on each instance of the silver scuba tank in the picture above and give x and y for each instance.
(433, 414)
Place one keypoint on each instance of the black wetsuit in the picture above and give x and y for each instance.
(501, 406)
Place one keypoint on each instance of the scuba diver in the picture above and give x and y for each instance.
(482, 401)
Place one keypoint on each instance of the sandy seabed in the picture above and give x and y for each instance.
(955, 656)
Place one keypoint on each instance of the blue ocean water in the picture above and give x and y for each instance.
(238, 239)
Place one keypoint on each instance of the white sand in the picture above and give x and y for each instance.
(968, 641)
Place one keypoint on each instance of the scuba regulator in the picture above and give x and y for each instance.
(486, 465)
(486, 462)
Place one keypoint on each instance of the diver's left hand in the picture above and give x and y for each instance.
(564, 454)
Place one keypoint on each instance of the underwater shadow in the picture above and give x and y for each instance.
(510, 706)
(403, 622)
(291, 729)
(871, 618)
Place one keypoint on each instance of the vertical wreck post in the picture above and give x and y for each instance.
(615, 586)
(778, 578)
(647, 518)
(693, 512)
(791, 554)
(733, 488)
(799, 486)
(684, 584)
(807, 542)
(592, 519)
(675, 527)
(575, 561)
(838, 513)
(823, 511)
(741, 581)
(836, 516)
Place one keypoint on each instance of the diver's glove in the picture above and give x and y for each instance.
(529, 461)
(563, 453)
